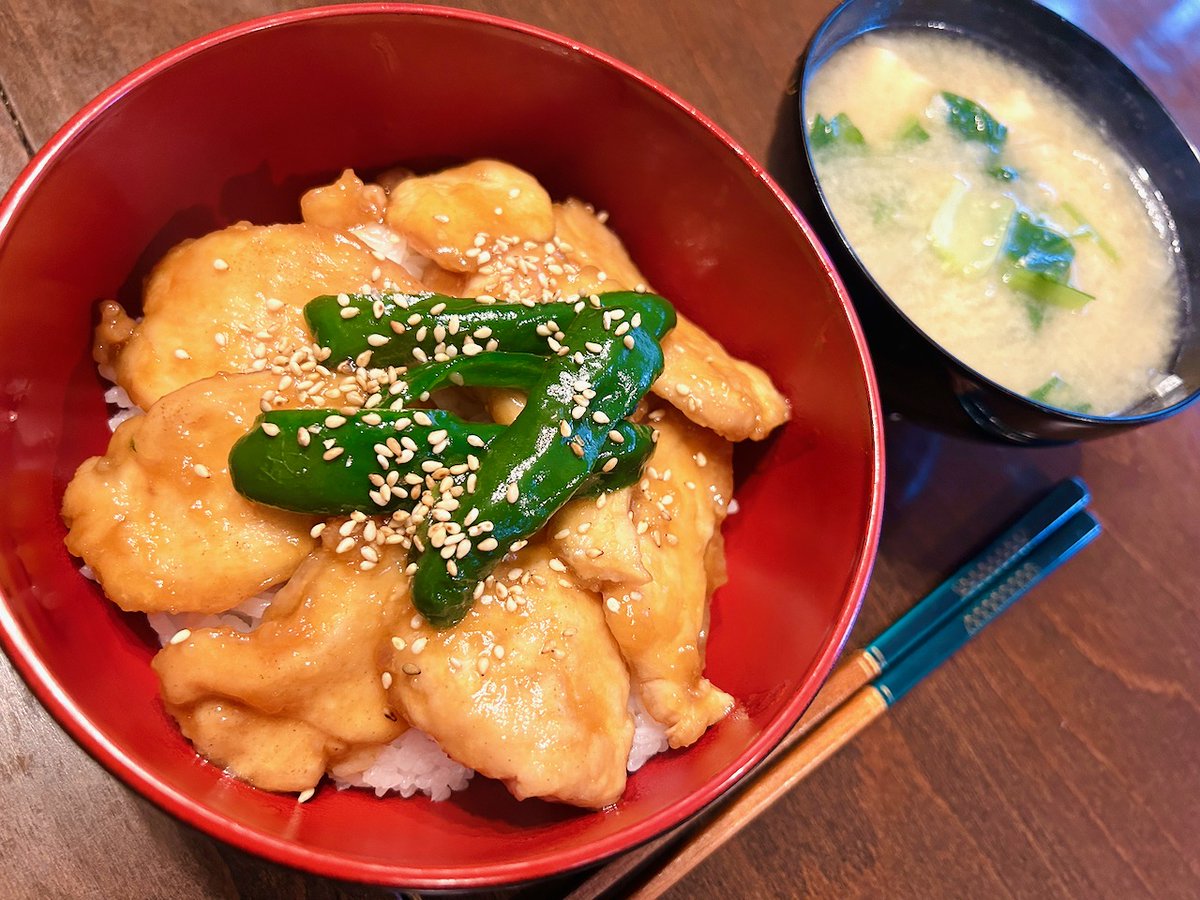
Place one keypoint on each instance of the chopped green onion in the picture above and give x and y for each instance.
(1085, 228)
(1042, 393)
(1039, 248)
(1056, 392)
(836, 133)
(969, 227)
(1046, 289)
(974, 123)
(913, 132)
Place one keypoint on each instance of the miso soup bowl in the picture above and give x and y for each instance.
(236, 125)
(918, 376)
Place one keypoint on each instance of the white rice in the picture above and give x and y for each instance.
(649, 735)
(392, 246)
(242, 618)
(414, 762)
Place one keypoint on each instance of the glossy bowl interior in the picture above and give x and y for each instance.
(918, 375)
(235, 126)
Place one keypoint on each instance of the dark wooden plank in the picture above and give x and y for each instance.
(13, 154)
(1053, 758)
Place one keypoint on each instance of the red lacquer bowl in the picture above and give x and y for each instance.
(237, 125)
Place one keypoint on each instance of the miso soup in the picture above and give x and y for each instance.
(999, 218)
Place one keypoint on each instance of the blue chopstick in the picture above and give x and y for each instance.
(945, 601)
(1003, 589)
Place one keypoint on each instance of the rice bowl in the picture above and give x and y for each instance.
(58, 630)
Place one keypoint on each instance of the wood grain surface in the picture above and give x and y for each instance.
(1055, 757)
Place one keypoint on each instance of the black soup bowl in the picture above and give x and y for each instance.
(920, 378)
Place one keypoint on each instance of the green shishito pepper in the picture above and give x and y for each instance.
(583, 366)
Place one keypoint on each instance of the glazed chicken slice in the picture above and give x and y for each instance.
(157, 517)
(280, 705)
(598, 541)
(344, 204)
(528, 688)
(732, 397)
(662, 625)
(231, 301)
(442, 214)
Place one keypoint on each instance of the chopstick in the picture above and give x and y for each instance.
(865, 685)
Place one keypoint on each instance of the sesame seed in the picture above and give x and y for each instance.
(482, 665)
(419, 644)
(377, 340)
(399, 643)
(628, 341)
(386, 680)
(610, 464)
(220, 265)
(270, 429)
(316, 530)
(274, 304)
(201, 470)
(332, 453)
(303, 438)
(498, 651)
(346, 544)
(410, 669)
(613, 605)
(220, 338)
(349, 312)
(593, 347)
(616, 437)
(557, 564)
(513, 493)
(180, 636)
(421, 419)
(600, 418)
(683, 389)
(306, 795)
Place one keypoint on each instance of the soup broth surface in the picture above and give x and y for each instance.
(932, 213)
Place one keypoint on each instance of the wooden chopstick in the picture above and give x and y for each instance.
(870, 702)
(944, 620)
(850, 675)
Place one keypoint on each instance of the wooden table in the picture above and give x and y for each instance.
(1059, 756)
